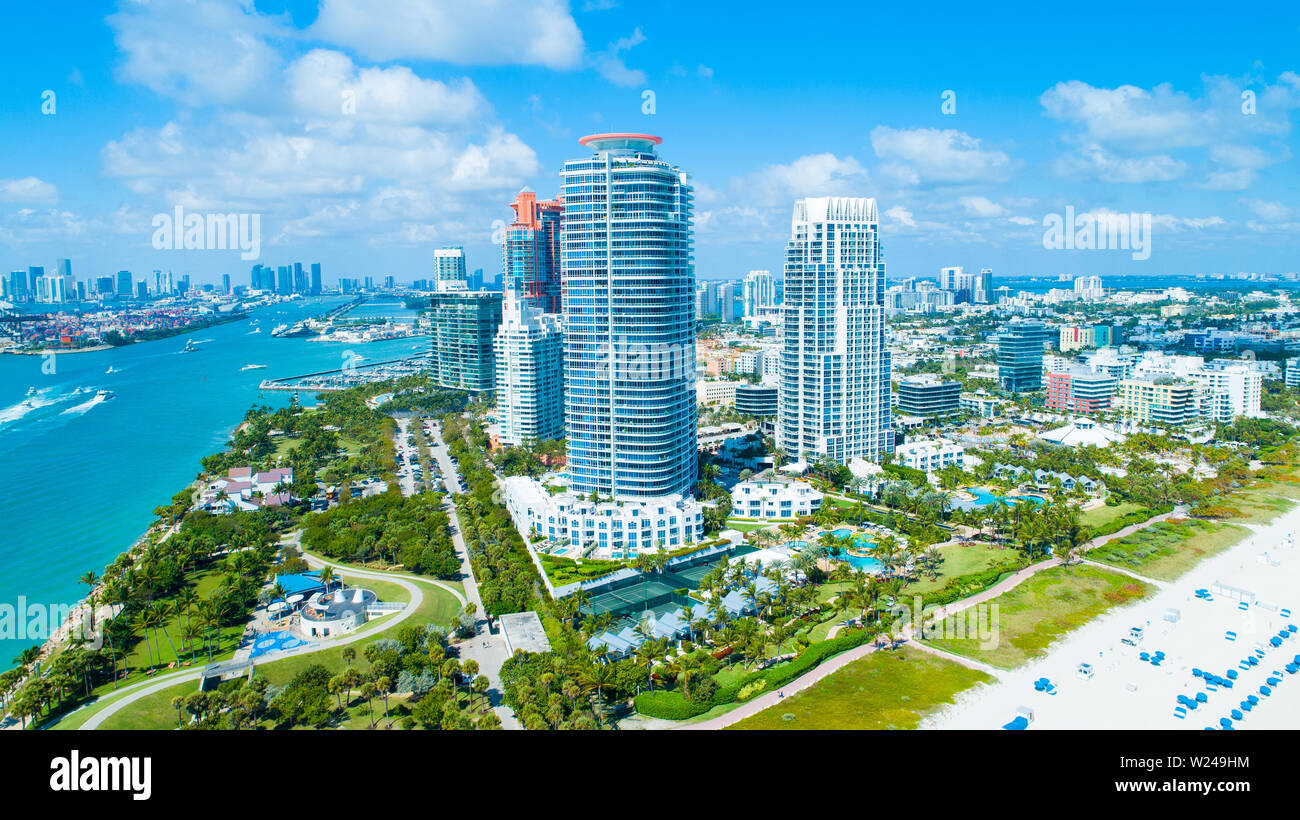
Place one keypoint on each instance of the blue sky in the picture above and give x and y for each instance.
(222, 106)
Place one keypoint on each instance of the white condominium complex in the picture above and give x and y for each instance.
(967, 287)
(529, 349)
(1225, 389)
(449, 269)
(760, 292)
(629, 320)
(834, 366)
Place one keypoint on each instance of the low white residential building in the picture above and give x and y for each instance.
(771, 500)
(930, 455)
(716, 392)
(984, 406)
(578, 525)
(1226, 389)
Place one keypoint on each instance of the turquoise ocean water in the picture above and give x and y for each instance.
(82, 475)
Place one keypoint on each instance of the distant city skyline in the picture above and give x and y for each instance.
(366, 140)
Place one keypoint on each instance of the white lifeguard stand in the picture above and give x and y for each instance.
(1085, 671)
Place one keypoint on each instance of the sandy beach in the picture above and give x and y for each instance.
(1126, 692)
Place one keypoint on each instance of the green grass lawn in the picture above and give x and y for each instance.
(1263, 502)
(884, 690)
(376, 566)
(155, 712)
(1045, 607)
(1103, 515)
(1167, 549)
(163, 645)
(958, 560)
(749, 526)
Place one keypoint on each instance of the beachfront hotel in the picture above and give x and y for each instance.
(629, 320)
(834, 396)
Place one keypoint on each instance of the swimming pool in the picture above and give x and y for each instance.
(863, 562)
(796, 545)
(1035, 499)
(984, 497)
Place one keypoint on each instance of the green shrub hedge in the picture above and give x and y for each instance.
(671, 705)
(964, 586)
(1135, 517)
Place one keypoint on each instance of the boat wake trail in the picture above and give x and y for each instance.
(86, 406)
(34, 401)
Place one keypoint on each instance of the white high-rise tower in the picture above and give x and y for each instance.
(529, 349)
(760, 292)
(834, 396)
(629, 320)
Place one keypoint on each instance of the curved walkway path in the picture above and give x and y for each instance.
(758, 704)
(149, 687)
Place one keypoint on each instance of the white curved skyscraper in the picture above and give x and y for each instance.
(629, 320)
(834, 397)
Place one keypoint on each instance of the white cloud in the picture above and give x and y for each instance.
(482, 32)
(1093, 160)
(28, 191)
(981, 206)
(812, 175)
(415, 156)
(1127, 115)
(1131, 134)
(756, 207)
(1238, 180)
(1268, 211)
(317, 82)
(901, 215)
(610, 61)
(922, 156)
(201, 52)
(260, 165)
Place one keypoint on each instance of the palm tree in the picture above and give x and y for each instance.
(148, 620)
(368, 692)
(165, 611)
(385, 686)
(594, 678)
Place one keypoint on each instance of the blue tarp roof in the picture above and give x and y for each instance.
(299, 583)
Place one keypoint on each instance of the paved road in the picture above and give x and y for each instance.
(487, 649)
